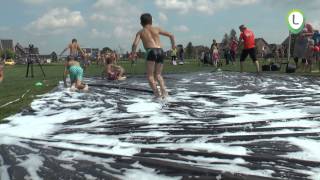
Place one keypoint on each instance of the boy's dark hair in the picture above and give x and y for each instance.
(146, 19)
(242, 26)
(74, 40)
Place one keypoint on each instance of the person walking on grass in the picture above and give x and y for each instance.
(150, 37)
(174, 56)
(249, 48)
(214, 53)
(233, 49)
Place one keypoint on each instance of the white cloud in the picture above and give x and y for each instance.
(180, 5)
(163, 17)
(100, 4)
(120, 14)
(33, 2)
(181, 28)
(203, 6)
(114, 19)
(99, 34)
(57, 21)
(122, 32)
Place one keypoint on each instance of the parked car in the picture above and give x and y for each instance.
(9, 62)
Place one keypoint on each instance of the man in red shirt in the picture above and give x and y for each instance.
(249, 47)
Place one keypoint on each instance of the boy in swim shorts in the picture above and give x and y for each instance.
(75, 50)
(150, 37)
(75, 71)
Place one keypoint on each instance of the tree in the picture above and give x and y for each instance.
(189, 50)
(8, 54)
(54, 56)
(225, 40)
(233, 34)
(106, 49)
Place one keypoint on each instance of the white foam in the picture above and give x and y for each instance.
(3, 169)
(145, 173)
(32, 165)
(68, 166)
(210, 147)
(296, 123)
(23, 126)
(256, 99)
(143, 106)
(310, 149)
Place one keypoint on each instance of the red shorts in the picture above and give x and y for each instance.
(113, 76)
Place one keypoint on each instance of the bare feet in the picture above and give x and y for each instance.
(86, 88)
(73, 88)
(122, 78)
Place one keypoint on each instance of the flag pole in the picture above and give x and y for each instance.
(289, 47)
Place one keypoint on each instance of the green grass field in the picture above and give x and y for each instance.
(15, 84)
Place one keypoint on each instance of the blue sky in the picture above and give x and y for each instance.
(51, 24)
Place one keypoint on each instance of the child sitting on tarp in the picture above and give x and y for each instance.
(113, 71)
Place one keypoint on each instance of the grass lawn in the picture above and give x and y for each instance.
(15, 84)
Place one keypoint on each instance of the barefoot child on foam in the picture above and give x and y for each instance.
(150, 37)
(113, 71)
(73, 68)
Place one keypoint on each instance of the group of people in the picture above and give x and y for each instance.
(150, 37)
(249, 49)
(307, 47)
(75, 69)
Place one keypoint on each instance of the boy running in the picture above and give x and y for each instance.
(150, 37)
(75, 49)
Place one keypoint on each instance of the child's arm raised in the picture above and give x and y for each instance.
(136, 43)
(64, 50)
(81, 51)
(171, 36)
